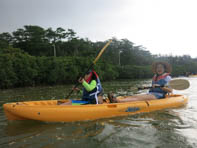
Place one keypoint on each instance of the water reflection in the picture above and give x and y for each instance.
(161, 129)
(158, 129)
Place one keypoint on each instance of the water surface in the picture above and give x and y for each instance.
(172, 128)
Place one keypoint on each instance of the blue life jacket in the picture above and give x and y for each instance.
(162, 81)
(91, 96)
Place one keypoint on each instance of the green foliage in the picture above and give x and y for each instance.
(20, 69)
(5, 40)
(106, 71)
(17, 68)
(135, 72)
(7, 74)
(27, 58)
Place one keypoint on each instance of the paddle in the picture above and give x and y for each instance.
(91, 66)
(177, 84)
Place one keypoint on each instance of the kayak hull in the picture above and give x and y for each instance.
(49, 111)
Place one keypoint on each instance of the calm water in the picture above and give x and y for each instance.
(174, 128)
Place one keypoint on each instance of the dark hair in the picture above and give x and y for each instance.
(89, 71)
(94, 76)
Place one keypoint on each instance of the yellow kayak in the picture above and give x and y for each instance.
(49, 111)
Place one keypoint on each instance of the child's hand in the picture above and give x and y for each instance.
(155, 85)
(80, 80)
(76, 89)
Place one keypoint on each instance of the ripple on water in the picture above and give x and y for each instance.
(161, 129)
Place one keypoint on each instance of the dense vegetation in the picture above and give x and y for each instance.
(33, 56)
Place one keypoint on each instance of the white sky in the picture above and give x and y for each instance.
(162, 26)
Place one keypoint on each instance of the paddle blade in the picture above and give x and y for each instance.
(179, 84)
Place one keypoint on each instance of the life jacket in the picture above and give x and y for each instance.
(162, 81)
(91, 95)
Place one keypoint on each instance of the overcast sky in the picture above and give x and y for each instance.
(162, 26)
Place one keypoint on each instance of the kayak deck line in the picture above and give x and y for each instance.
(48, 110)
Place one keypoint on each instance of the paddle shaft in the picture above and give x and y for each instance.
(177, 84)
(91, 66)
(149, 87)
